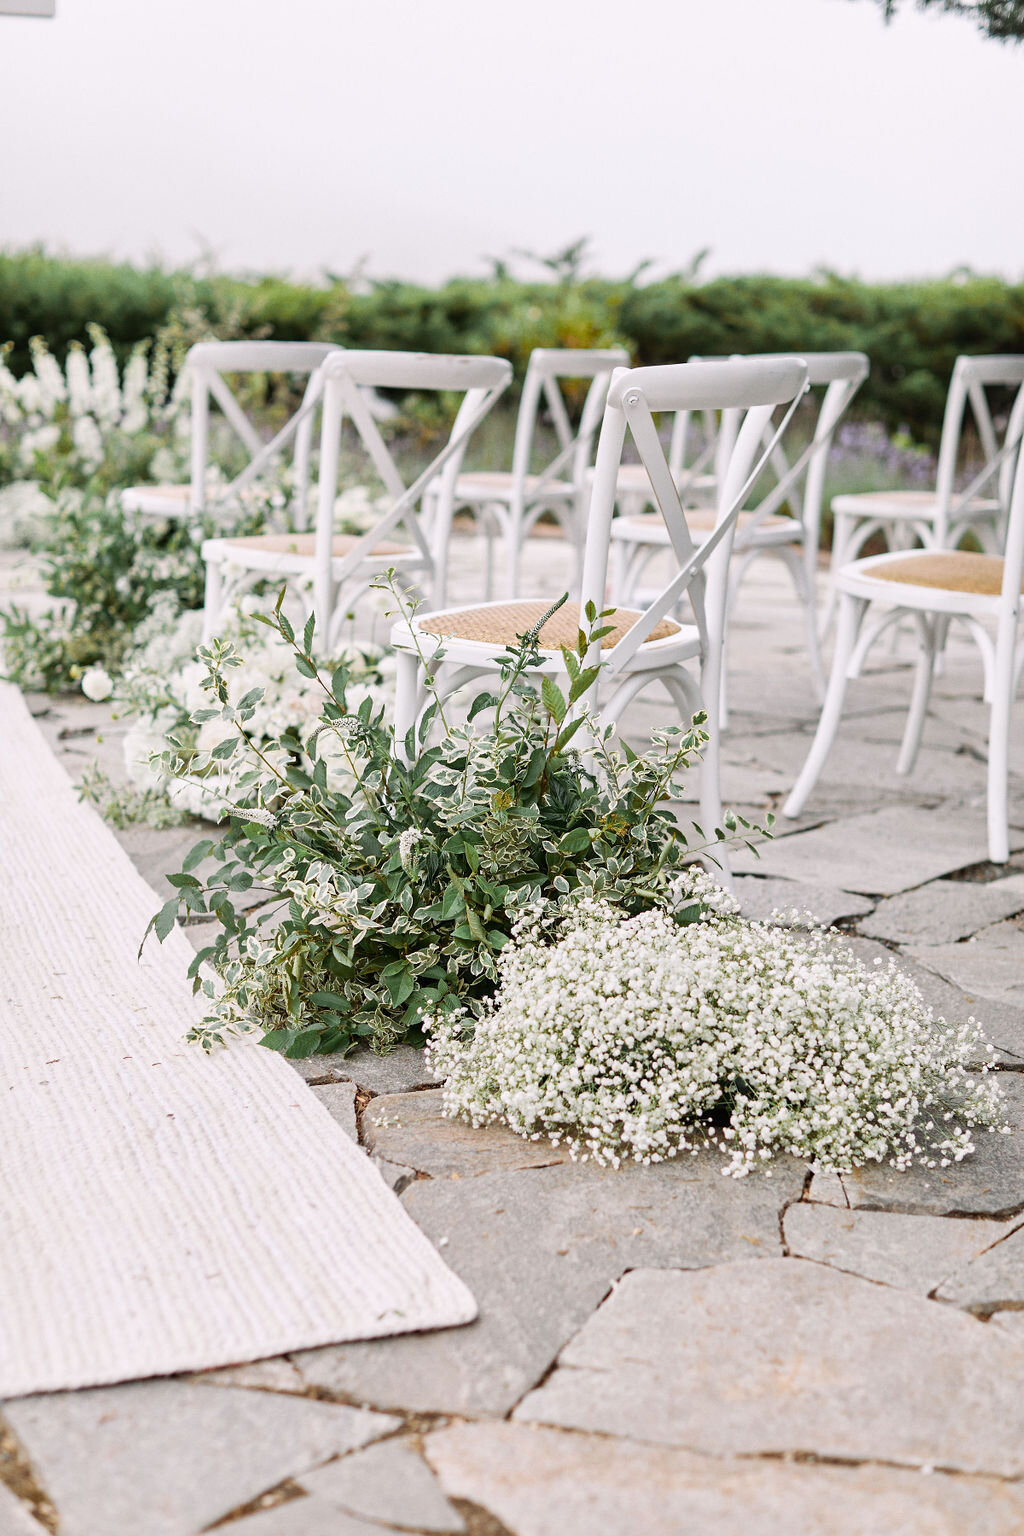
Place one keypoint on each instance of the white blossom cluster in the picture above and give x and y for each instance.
(162, 688)
(88, 398)
(634, 1037)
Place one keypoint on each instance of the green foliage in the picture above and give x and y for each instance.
(393, 895)
(911, 331)
(1001, 19)
(104, 569)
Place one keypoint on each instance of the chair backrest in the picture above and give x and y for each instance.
(752, 388)
(972, 376)
(801, 483)
(346, 378)
(547, 368)
(208, 362)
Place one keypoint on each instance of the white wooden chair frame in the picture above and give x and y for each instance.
(751, 388)
(207, 363)
(939, 519)
(510, 502)
(795, 540)
(860, 583)
(336, 569)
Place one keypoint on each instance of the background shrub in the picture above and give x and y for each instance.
(911, 331)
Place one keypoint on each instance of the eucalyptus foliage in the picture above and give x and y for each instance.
(348, 907)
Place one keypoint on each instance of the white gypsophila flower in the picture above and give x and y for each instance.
(637, 1038)
(97, 684)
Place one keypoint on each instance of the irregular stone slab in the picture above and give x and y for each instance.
(991, 965)
(15, 1519)
(827, 1189)
(995, 1279)
(914, 1253)
(539, 1250)
(158, 851)
(395, 1175)
(303, 1517)
(878, 853)
(409, 1128)
(944, 911)
(541, 1482)
(391, 1483)
(990, 1182)
(761, 899)
(1011, 1320)
(168, 1458)
(275, 1375)
(752, 1359)
(400, 1071)
(339, 1099)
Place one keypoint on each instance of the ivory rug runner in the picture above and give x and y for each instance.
(160, 1210)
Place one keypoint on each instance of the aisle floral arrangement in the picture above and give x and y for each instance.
(393, 888)
(628, 1037)
(536, 914)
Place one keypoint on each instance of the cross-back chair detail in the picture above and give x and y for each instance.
(647, 645)
(934, 587)
(209, 364)
(940, 518)
(760, 529)
(335, 568)
(509, 502)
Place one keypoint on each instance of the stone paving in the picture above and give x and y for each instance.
(659, 1350)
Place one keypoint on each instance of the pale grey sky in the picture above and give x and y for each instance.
(424, 134)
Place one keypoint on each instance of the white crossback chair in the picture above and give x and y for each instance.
(692, 451)
(209, 365)
(643, 647)
(934, 587)
(763, 529)
(940, 518)
(337, 568)
(511, 501)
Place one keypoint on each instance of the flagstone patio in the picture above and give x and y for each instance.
(659, 1350)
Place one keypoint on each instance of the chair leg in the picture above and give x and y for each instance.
(212, 599)
(407, 693)
(933, 634)
(851, 611)
(999, 753)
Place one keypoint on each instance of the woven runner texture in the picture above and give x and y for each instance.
(160, 1210)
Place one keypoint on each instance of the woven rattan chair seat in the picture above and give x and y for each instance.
(700, 518)
(904, 504)
(501, 624)
(305, 544)
(501, 483)
(950, 571)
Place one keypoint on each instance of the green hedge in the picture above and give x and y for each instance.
(911, 331)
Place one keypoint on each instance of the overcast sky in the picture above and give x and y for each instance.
(424, 135)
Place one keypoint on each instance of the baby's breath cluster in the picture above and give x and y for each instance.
(635, 1037)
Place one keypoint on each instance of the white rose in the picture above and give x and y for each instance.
(96, 684)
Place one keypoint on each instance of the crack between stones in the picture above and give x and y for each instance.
(19, 1476)
(798, 1457)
